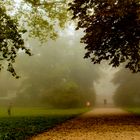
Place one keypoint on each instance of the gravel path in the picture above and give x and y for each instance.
(98, 124)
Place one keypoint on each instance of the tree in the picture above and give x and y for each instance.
(25, 19)
(10, 40)
(112, 30)
(42, 17)
(63, 80)
(128, 89)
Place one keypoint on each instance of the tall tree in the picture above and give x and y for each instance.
(112, 30)
(27, 18)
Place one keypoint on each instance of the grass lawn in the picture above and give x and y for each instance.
(26, 122)
(135, 110)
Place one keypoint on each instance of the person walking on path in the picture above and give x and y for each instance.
(105, 101)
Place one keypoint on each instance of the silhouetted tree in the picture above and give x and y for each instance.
(112, 30)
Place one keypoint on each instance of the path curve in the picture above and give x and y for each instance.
(98, 124)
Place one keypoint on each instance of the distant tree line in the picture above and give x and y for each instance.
(55, 77)
(128, 91)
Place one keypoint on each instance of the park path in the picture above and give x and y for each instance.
(98, 124)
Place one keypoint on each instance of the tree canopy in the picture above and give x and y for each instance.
(112, 30)
(10, 40)
(24, 19)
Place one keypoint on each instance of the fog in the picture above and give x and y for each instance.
(105, 87)
(56, 75)
(128, 88)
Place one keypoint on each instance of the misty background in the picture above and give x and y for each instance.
(57, 76)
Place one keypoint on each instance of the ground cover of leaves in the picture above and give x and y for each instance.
(98, 124)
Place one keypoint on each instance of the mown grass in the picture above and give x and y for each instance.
(36, 111)
(135, 110)
(26, 122)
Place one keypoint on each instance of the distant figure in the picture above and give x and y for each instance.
(105, 102)
(9, 110)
